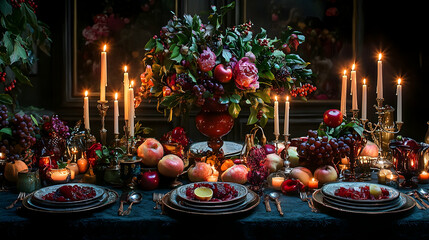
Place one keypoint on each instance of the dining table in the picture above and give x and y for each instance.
(145, 222)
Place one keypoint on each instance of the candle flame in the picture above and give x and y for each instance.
(379, 57)
(132, 84)
(104, 48)
(116, 96)
(345, 72)
(399, 81)
(424, 172)
(287, 98)
(275, 98)
(86, 93)
(353, 67)
(125, 68)
(364, 81)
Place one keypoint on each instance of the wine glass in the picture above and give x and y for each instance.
(405, 163)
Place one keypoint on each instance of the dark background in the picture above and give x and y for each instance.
(399, 30)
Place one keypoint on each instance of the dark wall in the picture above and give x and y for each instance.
(398, 30)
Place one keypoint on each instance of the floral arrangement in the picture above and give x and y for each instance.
(104, 25)
(191, 62)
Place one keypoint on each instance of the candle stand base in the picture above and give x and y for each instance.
(102, 107)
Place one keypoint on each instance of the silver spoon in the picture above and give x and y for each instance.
(423, 193)
(133, 198)
(275, 197)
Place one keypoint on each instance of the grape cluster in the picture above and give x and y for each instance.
(184, 80)
(23, 133)
(199, 91)
(321, 150)
(213, 87)
(302, 91)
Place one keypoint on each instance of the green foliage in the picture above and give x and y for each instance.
(19, 31)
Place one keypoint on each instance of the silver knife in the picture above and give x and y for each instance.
(123, 199)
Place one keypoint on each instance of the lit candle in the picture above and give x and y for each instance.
(115, 115)
(379, 78)
(2, 156)
(354, 88)
(276, 182)
(74, 169)
(313, 183)
(103, 82)
(399, 103)
(287, 107)
(276, 117)
(364, 99)
(86, 110)
(344, 94)
(212, 178)
(424, 177)
(82, 164)
(131, 109)
(382, 175)
(59, 175)
(126, 97)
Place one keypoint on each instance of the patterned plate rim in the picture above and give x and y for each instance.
(237, 186)
(337, 185)
(99, 193)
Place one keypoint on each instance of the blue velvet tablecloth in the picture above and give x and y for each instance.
(144, 222)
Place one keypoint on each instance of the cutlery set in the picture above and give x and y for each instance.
(418, 196)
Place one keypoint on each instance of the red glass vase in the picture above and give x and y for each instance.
(214, 122)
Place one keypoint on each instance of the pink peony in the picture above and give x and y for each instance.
(246, 74)
(207, 60)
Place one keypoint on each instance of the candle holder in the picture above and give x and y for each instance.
(128, 140)
(102, 107)
(285, 154)
(381, 130)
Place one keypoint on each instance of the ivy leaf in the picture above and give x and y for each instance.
(252, 116)
(226, 54)
(263, 121)
(18, 53)
(6, 99)
(5, 7)
(150, 44)
(99, 154)
(7, 131)
(235, 98)
(234, 109)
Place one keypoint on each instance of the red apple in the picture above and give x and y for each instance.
(269, 148)
(273, 162)
(149, 180)
(150, 151)
(236, 174)
(170, 166)
(370, 150)
(326, 174)
(222, 74)
(333, 118)
(200, 172)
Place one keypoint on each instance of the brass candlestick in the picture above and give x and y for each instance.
(102, 107)
(376, 130)
(128, 139)
(286, 162)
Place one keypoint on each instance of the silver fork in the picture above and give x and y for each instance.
(20, 197)
(157, 197)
